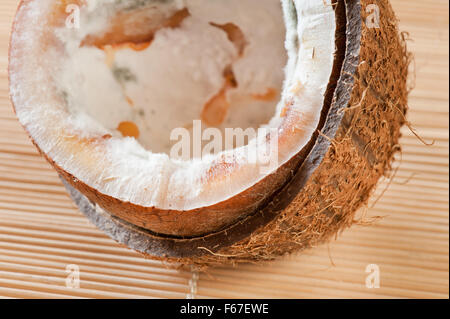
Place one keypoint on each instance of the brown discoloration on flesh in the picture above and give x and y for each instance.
(111, 49)
(216, 109)
(134, 27)
(270, 95)
(128, 129)
(235, 35)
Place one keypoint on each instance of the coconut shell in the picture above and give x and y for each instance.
(365, 106)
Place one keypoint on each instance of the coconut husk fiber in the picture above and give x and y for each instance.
(352, 151)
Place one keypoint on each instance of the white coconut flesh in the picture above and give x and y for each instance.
(179, 76)
(105, 113)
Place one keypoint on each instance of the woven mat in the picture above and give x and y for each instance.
(41, 232)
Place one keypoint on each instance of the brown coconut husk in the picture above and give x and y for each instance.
(352, 151)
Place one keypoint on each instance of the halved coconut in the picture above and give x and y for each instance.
(107, 88)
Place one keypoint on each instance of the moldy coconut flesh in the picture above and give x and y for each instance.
(102, 88)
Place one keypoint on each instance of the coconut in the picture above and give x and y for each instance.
(100, 101)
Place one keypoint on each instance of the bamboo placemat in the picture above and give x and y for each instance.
(41, 232)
